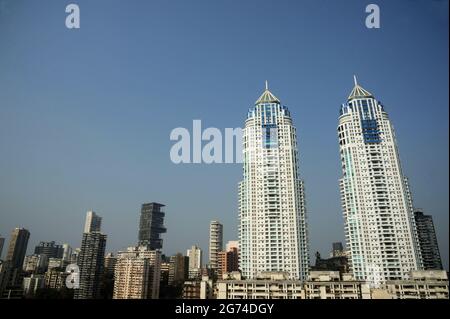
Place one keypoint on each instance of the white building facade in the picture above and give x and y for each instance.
(376, 201)
(137, 274)
(272, 214)
(195, 261)
(215, 243)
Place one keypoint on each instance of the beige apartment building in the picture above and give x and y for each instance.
(137, 274)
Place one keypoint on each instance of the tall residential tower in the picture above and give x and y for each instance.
(376, 202)
(272, 215)
(428, 243)
(215, 243)
(151, 226)
(195, 261)
(18, 247)
(91, 261)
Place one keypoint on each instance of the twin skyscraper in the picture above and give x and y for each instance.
(380, 231)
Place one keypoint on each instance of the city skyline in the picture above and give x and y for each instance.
(101, 147)
(371, 136)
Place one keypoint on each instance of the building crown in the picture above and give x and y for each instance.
(358, 91)
(267, 97)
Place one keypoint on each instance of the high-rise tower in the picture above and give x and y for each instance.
(91, 260)
(195, 261)
(93, 222)
(428, 243)
(151, 225)
(18, 247)
(215, 243)
(272, 215)
(376, 201)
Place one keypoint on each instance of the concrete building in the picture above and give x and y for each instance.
(231, 244)
(67, 252)
(331, 264)
(151, 225)
(425, 284)
(4, 273)
(165, 268)
(272, 215)
(50, 249)
(198, 289)
(228, 261)
(137, 274)
(35, 263)
(178, 269)
(277, 285)
(55, 279)
(17, 247)
(429, 248)
(110, 263)
(32, 283)
(267, 286)
(195, 262)
(91, 259)
(58, 263)
(333, 285)
(215, 243)
(191, 289)
(376, 200)
(93, 222)
(338, 250)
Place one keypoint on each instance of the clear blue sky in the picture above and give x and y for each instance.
(85, 115)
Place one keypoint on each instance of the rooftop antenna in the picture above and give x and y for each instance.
(354, 79)
(267, 85)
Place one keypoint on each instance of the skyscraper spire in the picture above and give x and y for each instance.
(267, 96)
(358, 91)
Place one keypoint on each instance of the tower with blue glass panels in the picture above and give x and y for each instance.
(273, 233)
(380, 230)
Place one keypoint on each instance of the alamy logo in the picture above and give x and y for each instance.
(73, 19)
(206, 146)
(373, 19)
(73, 277)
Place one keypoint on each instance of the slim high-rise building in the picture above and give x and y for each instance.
(376, 201)
(74, 256)
(151, 226)
(67, 252)
(91, 260)
(272, 215)
(428, 243)
(137, 274)
(50, 249)
(18, 247)
(195, 261)
(215, 243)
(93, 222)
